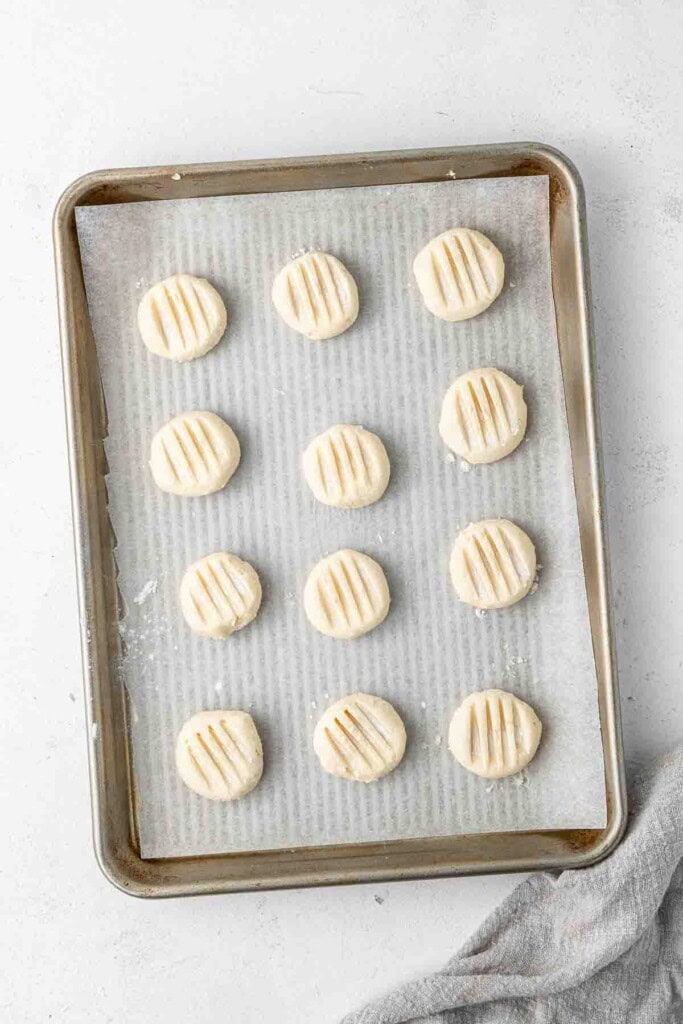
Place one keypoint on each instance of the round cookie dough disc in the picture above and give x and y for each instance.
(219, 754)
(483, 416)
(316, 296)
(346, 595)
(193, 454)
(494, 734)
(219, 594)
(493, 564)
(360, 737)
(459, 274)
(347, 467)
(182, 318)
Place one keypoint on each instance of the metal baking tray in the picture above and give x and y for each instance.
(112, 787)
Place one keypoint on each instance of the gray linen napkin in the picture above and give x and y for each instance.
(600, 945)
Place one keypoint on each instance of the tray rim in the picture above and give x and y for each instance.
(372, 862)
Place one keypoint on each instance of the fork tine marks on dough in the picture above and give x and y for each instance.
(346, 595)
(194, 454)
(316, 295)
(207, 765)
(484, 571)
(182, 317)
(219, 594)
(459, 274)
(483, 416)
(494, 734)
(360, 737)
(346, 467)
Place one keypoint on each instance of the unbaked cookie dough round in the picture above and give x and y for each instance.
(182, 317)
(360, 737)
(347, 466)
(483, 416)
(346, 595)
(494, 734)
(493, 564)
(193, 454)
(219, 594)
(316, 295)
(459, 274)
(219, 754)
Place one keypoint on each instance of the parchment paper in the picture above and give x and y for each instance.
(388, 373)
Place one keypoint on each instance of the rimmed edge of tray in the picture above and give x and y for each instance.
(112, 791)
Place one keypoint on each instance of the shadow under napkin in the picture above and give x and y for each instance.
(604, 944)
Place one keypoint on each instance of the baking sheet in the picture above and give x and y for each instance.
(389, 372)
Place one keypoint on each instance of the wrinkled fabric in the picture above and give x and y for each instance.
(602, 945)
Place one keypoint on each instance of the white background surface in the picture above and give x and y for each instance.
(217, 81)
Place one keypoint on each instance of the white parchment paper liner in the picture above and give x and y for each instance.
(277, 390)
